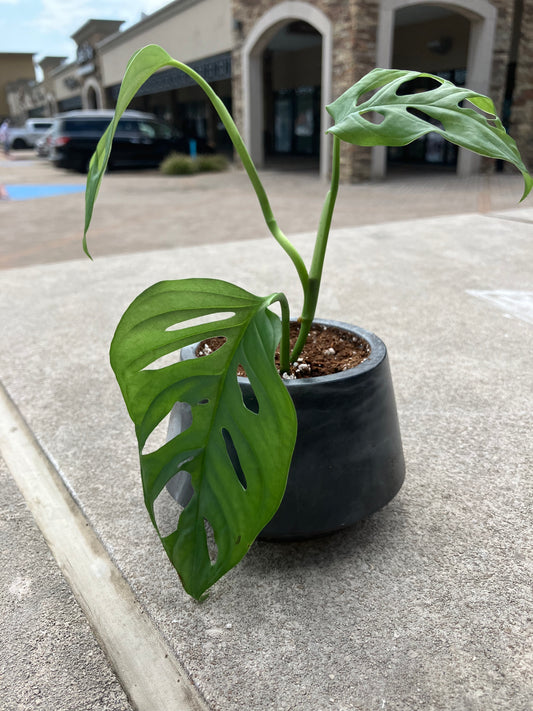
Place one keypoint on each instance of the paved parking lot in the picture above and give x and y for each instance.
(143, 210)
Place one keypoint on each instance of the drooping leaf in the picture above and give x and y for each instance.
(142, 65)
(157, 324)
(404, 117)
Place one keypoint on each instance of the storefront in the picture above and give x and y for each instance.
(277, 63)
(472, 42)
(197, 32)
(174, 97)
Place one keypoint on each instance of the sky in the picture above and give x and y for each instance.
(43, 27)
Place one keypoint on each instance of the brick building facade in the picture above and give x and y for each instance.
(487, 44)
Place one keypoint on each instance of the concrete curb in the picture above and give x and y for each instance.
(147, 669)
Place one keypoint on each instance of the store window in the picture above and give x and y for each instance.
(297, 121)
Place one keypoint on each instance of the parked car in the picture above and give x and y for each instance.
(28, 135)
(140, 140)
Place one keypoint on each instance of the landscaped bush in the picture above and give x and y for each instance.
(212, 163)
(181, 164)
(178, 164)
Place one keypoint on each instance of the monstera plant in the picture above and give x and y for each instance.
(380, 109)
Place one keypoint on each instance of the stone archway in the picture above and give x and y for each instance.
(252, 72)
(91, 95)
(482, 17)
(92, 100)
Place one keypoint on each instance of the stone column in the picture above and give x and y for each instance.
(522, 106)
(354, 25)
(359, 53)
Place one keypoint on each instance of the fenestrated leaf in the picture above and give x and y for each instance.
(482, 133)
(156, 324)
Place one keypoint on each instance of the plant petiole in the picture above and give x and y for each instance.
(284, 345)
(251, 171)
(315, 273)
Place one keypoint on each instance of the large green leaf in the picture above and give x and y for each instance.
(406, 117)
(157, 324)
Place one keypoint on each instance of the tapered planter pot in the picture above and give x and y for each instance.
(348, 461)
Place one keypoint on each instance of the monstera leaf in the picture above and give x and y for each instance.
(392, 118)
(235, 498)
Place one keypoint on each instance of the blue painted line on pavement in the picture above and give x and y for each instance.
(30, 192)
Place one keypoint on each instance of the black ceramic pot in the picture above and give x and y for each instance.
(348, 460)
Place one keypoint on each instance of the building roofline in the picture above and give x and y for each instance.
(18, 54)
(95, 25)
(173, 8)
(62, 68)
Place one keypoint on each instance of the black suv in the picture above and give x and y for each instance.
(140, 140)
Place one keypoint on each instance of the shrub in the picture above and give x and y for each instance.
(181, 164)
(178, 164)
(212, 163)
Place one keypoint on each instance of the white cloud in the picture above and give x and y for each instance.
(62, 16)
(66, 17)
(47, 29)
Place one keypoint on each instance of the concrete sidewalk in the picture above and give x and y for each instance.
(427, 604)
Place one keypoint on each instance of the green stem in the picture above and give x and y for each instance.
(250, 168)
(284, 345)
(317, 264)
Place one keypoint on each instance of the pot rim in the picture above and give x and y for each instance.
(378, 352)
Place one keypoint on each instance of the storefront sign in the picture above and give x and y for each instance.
(211, 69)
